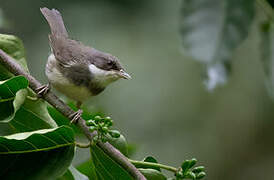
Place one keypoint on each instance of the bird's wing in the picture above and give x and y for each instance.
(70, 52)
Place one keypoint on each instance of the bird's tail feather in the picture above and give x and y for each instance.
(55, 22)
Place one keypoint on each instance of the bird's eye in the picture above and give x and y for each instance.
(110, 62)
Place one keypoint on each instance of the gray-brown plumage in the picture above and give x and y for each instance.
(76, 70)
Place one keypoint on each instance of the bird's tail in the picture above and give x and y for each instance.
(55, 22)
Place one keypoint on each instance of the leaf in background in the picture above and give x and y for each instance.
(106, 168)
(1, 19)
(152, 174)
(12, 95)
(271, 2)
(267, 52)
(73, 174)
(211, 30)
(14, 47)
(43, 154)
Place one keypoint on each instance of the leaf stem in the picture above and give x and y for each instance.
(82, 145)
(154, 165)
(8, 99)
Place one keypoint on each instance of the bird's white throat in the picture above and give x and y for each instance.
(102, 76)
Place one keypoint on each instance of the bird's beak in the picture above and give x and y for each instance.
(123, 74)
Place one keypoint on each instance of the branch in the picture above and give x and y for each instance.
(52, 99)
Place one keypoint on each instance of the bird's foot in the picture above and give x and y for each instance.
(43, 90)
(76, 116)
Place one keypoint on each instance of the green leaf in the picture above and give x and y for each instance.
(271, 2)
(149, 159)
(22, 113)
(73, 174)
(106, 168)
(43, 154)
(88, 169)
(198, 169)
(267, 53)
(201, 175)
(185, 165)
(32, 115)
(14, 47)
(153, 160)
(152, 174)
(211, 30)
(192, 162)
(12, 96)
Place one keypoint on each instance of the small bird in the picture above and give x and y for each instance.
(76, 70)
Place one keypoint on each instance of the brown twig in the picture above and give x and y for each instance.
(52, 99)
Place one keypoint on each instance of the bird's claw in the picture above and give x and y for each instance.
(43, 90)
(76, 116)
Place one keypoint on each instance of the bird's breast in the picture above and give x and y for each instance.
(63, 84)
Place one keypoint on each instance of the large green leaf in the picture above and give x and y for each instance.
(12, 96)
(88, 169)
(21, 112)
(73, 174)
(267, 52)
(211, 30)
(32, 115)
(43, 154)
(14, 47)
(106, 168)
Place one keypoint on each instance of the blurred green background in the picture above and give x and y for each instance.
(165, 109)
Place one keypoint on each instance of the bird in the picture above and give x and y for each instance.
(74, 69)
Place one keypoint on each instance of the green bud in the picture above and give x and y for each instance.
(95, 139)
(185, 165)
(105, 129)
(114, 133)
(201, 175)
(104, 139)
(90, 123)
(198, 169)
(192, 163)
(92, 128)
(179, 174)
(100, 124)
(109, 123)
(97, 119)
(107, 118)
(190, 175)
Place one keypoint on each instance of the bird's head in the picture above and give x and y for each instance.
(107, 68)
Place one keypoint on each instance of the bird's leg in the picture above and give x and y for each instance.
(76, 115)
(78, 104)
(43, 90)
